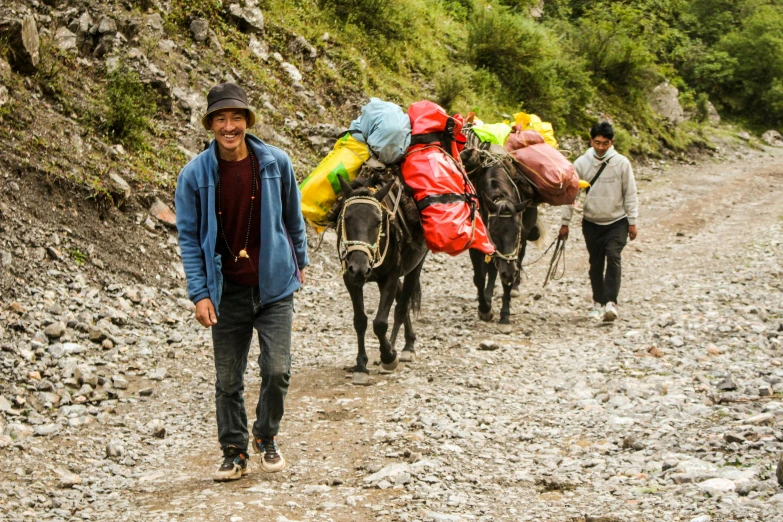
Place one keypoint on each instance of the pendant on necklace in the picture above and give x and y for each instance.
(243, 253)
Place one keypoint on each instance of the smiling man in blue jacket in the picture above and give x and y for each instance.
(244, 250)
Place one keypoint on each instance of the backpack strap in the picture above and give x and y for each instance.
(597, 175)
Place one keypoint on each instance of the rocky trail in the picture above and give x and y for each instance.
(673, 413)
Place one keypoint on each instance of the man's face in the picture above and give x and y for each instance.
(601, 145)
(228, 126)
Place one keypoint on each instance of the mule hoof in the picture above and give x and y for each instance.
(392, 365)
(407, 357)
(485, 316)
(505, 328)
(514, 292)
(361, 379)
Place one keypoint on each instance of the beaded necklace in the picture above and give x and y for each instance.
(253, 185)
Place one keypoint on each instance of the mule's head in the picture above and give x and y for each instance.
(471, 159)
(505, 230)
(362, 225)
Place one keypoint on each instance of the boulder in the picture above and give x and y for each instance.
(303, 48)
(4, 96)
(118, 188)
(665, 102)
(712, 114)
(23, 43)
(258, 48)
(772, 138)
(249, 19)
(200, 29)
(65, 40)
(163, 213)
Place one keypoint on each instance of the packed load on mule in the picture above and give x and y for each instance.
(425, 144)
(554, 177)
(445, 196)
(382, 131)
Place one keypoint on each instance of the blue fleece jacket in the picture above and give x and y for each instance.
(283, 242)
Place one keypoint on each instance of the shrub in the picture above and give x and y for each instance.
(622, 140)
(379, 18)
(449, 87)
(129, 106)
(529, 62)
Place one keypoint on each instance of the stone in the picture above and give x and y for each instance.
(249, 19)
(727, 384)
(4, 404)
(712, 114)
(118, 188)
(95, 334)
(119, 382)
(5, 97)
(292, 72)
(779, 470)
(157, 428)
(114, 449)
(488, 346)
(65, 40)
(717, 486)
(772, 138)
(66, 479)
(734, 437)
(743, 135)
(199, 28)
(301, 46)
(46, 430)
(157, 374)
(23, 42)
(665, 102)
(18, 431)
(760, 419)
(163, 213)
(107, 25)
(701, 518)
(258, 48)
(55, 330)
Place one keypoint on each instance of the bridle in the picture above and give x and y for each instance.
(372, 250)
(514, 255)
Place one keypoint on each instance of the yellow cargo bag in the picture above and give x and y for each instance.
(532, 122)
(321, 187)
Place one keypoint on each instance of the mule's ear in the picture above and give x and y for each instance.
(383, 192)
(491, 206)
(347, 190)
(520, 207)
(469, 158)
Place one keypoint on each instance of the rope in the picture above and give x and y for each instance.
(557, 256)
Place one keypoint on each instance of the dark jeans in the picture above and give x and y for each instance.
(605, 243)
(240, 313)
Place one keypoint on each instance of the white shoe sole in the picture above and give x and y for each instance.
(229, 476)
(273, 468)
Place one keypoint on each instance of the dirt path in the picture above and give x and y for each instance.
(538, 429)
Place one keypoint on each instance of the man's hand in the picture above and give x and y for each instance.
(302, 276)
(632, 232)
(205, 313)
(563, 232)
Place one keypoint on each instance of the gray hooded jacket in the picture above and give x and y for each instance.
(614, 195)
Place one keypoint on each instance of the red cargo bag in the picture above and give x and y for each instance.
(444, 196)
(552, 174)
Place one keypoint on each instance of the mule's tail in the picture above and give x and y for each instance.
(543, 233)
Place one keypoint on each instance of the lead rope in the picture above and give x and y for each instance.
(557, 256)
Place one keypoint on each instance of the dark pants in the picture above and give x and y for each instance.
(240, 313)
(605, 243)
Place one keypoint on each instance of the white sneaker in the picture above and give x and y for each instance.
(595, 312)
(610, 312)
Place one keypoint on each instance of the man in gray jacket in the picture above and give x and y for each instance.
(610, 212)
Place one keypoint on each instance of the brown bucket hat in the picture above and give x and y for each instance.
(227, 96)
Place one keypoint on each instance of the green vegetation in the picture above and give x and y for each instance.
(78, 256)
(579, 60)
(129, 107)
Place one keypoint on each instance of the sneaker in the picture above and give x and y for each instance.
(271, 458)
(595, 312)
(610, 312)
(233, 467)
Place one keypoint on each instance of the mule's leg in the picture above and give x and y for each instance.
(380, 325)
(406, 303)
(492, 274)
(359, 324)
(479, 279)
(397, 322)
(505, 310)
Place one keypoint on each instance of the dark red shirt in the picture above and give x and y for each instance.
(235, 189)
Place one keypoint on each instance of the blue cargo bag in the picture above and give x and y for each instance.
(385, 129)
